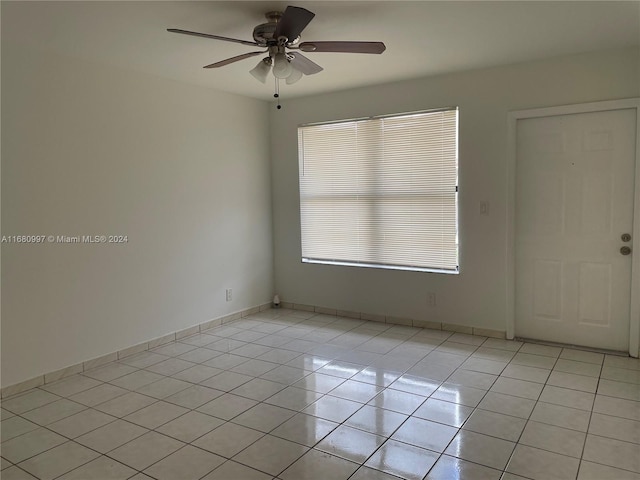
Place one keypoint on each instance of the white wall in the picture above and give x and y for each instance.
(477, 296)
(89, 149)
(184, 172)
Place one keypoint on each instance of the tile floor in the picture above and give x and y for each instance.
(292, 395)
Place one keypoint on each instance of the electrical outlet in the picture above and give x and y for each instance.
(229, 294)
(431, 299)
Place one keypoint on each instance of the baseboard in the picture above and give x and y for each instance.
(450, 327)
(56, 375)
(110, 357)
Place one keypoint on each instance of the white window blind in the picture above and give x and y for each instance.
(381, 192)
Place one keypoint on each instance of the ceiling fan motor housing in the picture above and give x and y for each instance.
(263, 34)
(280, 33)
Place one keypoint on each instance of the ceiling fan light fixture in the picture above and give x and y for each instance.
(295, 76)
(280, 34)
(261, 70)
(281, 66)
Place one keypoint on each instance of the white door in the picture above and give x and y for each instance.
(574, 201)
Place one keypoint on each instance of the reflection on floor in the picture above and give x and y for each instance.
(295, 395)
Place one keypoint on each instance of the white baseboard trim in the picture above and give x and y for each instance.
(450, 327)
(148, 345)
(53, 376)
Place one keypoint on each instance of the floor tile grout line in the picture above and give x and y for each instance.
(30, 391)
(176, 451)
(274, 427)
(100, 455)
(477, 407)
(60, 444)
(46, 427)
(23, 470)
(607, 465)
(316, 443)
(408, 418)
(468, 355)
(528, 419)
(536, 402)
(115, 419)
(343, 423)
(586, 436)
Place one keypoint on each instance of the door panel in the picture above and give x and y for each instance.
(594, 294)
(547, 289)
(574, 199)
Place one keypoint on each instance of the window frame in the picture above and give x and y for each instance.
(455, 194)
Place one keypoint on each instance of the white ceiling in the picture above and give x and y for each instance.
(423, 38)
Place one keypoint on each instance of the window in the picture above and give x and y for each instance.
(381, 192)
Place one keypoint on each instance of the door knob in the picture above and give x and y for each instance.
(625, 237)
(625, 250)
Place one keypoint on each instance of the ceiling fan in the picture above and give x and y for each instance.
(280, 35)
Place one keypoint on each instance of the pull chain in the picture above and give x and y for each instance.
(277, 94)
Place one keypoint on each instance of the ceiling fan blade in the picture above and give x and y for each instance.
(293, 22)
(302, 63)
(237, 58)
(343, 47)
(208, 35)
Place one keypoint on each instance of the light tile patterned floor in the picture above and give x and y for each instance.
(292, 395)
